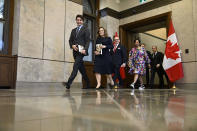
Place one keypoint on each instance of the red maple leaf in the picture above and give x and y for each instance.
(171, 50)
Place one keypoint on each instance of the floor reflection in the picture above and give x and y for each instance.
(57, 109)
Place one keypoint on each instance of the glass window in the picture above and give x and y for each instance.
(89, 24)
(1, 8)
(90, 19)
(4, 26)
(87, 7)
(1, 37)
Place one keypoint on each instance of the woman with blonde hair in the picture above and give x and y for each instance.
(103, 58)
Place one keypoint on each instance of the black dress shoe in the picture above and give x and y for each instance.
(66, 85)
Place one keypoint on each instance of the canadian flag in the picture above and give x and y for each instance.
(172, 58)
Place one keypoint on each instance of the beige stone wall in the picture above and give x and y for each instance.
(195, 23)
(150, 41)
(54, 29)
(16, 28)
(161, 33)
(41, 32)
(31, 28)
(111, 24)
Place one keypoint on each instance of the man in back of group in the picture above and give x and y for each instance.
(156, 66)
(147, 67)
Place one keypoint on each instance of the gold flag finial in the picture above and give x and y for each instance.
(174, 86)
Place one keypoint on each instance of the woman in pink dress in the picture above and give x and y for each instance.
(137, 59)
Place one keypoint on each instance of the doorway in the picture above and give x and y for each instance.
(151, 31)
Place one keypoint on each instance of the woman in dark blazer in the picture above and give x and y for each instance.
(103, 61)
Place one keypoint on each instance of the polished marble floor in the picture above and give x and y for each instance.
(53, 108)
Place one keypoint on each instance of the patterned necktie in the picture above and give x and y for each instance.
(115, 46)
(154, 54)
(77, 31)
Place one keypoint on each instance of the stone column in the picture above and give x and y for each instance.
(111, 24)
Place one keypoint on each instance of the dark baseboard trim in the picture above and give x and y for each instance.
(136, 10)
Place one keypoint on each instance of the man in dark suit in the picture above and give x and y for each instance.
(147, 67)
(79, 42)
(119, 59)
(156, 66)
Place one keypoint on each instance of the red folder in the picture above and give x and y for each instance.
(122, 72)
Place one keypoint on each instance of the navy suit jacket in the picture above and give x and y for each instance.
(80, 38)
(119, 56)
(158, 59)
